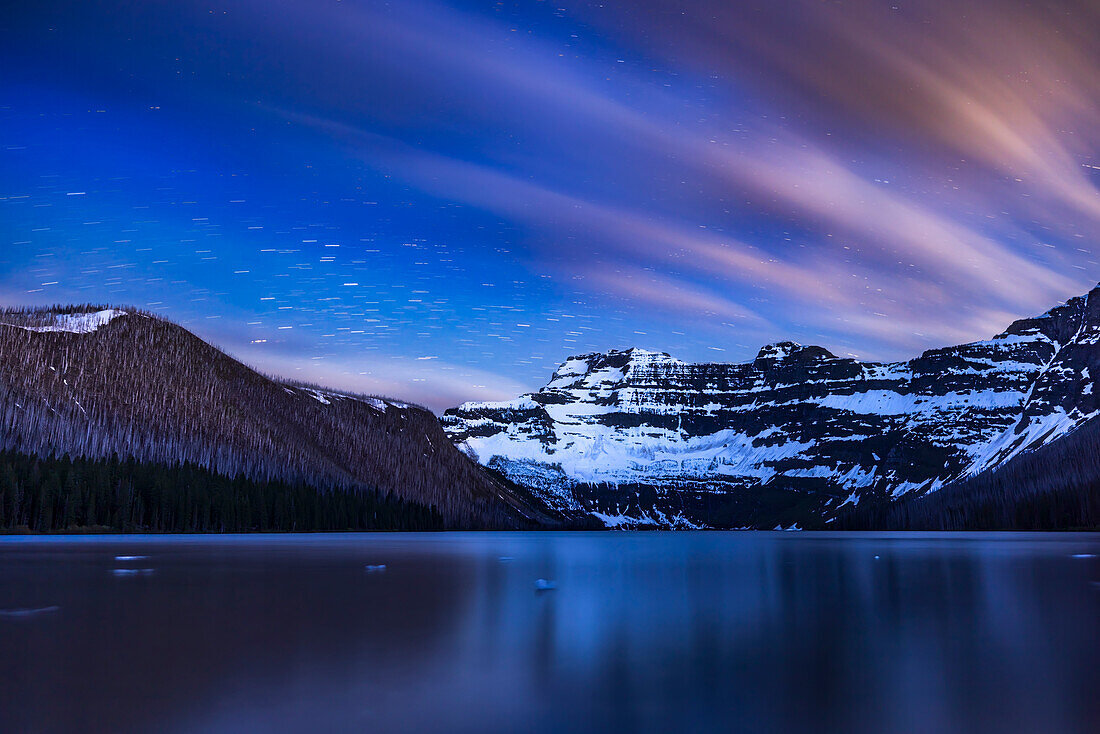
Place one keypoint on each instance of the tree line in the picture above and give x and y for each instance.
(64, 494)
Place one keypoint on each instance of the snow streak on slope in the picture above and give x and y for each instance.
(75, 323)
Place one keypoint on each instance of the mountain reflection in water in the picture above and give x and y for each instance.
(676, 632)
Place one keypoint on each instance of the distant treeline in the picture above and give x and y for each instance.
(62, 494)
(1056, 487)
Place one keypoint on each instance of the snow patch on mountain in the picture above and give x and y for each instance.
(77, 323)
(1027, 436)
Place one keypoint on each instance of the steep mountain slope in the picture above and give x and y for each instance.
(796, 435)
(98, 382)
(1054, 487)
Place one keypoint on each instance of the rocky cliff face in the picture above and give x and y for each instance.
(796, 435)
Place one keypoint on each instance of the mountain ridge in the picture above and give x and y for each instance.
(807, 430)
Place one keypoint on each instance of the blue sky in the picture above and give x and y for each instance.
(443, 201)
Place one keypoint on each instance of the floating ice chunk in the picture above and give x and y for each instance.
(544, 585)
(24, 613)
(132, 572)
(375, 569)
(1083, 555)
(123, 559)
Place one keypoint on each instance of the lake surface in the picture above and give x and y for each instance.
(661, 632)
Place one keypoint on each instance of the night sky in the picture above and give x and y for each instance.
(442, 201)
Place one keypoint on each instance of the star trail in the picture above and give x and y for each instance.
(443, 201)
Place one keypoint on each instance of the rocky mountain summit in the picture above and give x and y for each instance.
(796, 436)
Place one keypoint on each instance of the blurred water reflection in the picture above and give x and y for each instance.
(747, 632)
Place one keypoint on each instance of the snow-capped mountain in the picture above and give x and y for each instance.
(797, 434)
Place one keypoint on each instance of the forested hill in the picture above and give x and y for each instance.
(96, 383)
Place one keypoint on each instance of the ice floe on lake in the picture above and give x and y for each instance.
(24, 613)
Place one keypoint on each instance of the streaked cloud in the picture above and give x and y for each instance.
(435, 384)
(507, 185)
